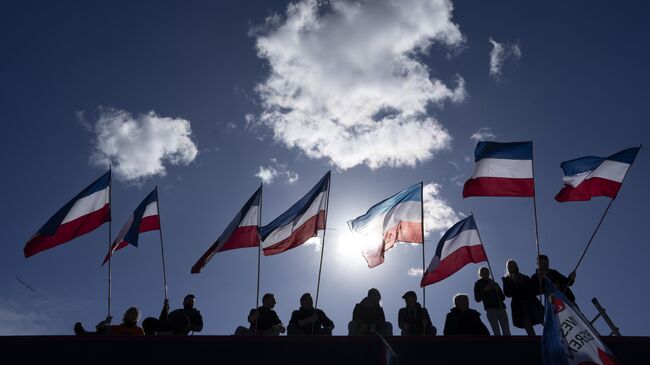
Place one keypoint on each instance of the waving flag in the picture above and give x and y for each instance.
(396, 219)
(83, 214)
(460, 246)
(242, 231)
(502, 169)
(590, 176)
(569, 338)
(145, 218)
(299, 223)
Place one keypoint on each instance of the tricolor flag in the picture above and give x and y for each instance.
(396, 219)
(145, 218)
(83, 214)
(460, 246)
(502, 169)
(242, 231)
(569, 338)
(590, 176)
(299, 223)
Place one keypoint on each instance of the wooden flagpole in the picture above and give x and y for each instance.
(322, 248)
(162, 249)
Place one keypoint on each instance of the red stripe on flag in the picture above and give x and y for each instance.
(150, 223)
(306, 231)
(68, 231)
(454, 262)
(595, 186)
(242, 237)
(499, 186)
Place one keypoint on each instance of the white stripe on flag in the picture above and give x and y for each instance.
(87, 205)
(151, 209)
(468, 237)
(609, 170)
(251, 218)
(498, 167)
(408, 211)
(283, 232)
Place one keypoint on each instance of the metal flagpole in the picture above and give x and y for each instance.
(110, 254)
(601, 221)
(535, 214)
(322, 248)
(259, 252)
(487, 259)
(162, 250)
(424, 290)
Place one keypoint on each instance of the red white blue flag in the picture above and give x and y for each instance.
(502, 169)
(396, 219)
(591, 176)
(83, 214)
(242, 231)
(299, 223)
(460, 246)
(569, 338)
(145, 218)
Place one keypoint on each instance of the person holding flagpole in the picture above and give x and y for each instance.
(526, 309)
(489, 292)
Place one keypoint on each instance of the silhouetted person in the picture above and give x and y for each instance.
(526, 309)
(129, 325)
(489, 292)
(182, 321)
(464, 321)
(368, 317)
(308, 320)
(561, 282)
(414, 320)
(160, 326)
(263, 320)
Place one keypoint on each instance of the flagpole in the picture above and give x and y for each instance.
(110, 207)
(532, 163)
(424, 291)
(259, 252)
(601, 221)
(487, 259)
(322, 248)
(162, 250)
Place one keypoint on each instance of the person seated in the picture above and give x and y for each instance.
(368, 317)
(128, 327)
(184, 320)
(308, 320)
(560, 281)
(414, 320)
(462, 320)
(263, 320)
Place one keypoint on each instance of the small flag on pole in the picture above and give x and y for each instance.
(569, 338)
(460, 246)
(502, 169)
(145, 218)
(242, 231)
(396, 219)
(591, 176)
(83, 214)
(299, 223)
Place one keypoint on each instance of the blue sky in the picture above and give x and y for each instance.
(218, 95)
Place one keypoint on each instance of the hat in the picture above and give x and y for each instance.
(408, 294)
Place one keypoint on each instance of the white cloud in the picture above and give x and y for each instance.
(483, 134)
(269, 173)
(499, 54)
(438, 215)
(138, 147)
(415, 272)
(231, 125)
(346, 83)
(459, 180)
(314, 241)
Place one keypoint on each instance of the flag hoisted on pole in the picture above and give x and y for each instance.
(591, 176)
(83, 214)
(395, 219)
(242, 231)
(145, 218)
(459, 246)
(299, 223)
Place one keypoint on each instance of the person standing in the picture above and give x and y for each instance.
(526, 309)
(489, 292)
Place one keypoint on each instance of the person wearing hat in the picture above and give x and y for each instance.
(368, 317)
(414, 320)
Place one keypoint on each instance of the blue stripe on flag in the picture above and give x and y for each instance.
(509, 151)
(134, 232)
(412, 193)
(581, 165)
(455, 230)
(625, 156)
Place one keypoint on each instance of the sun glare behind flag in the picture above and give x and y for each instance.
(83, 214)
(591, 176)
(299, 223)
(395, 219)
(145, 218)
(459, 246)
(502, 169)
(242, 232)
